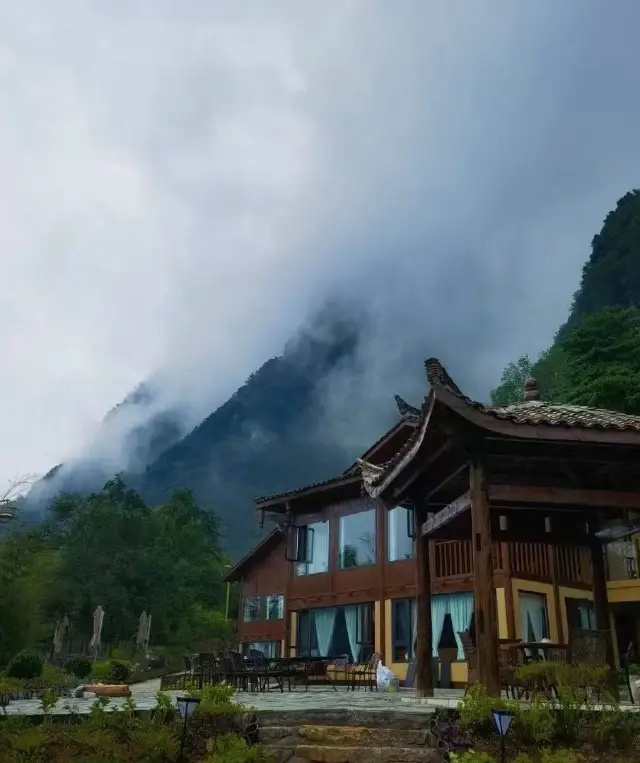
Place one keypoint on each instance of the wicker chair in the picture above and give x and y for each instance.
(365, 675)
(588, 647)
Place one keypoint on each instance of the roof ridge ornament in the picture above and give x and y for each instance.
(531, 391)
(404, 407)
(437, 376)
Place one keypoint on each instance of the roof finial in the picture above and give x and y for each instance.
(531, 391)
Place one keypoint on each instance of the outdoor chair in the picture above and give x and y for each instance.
(471, 658)
(365, 675)
(626, 660)
(260, 666)
(588, 648)
(509, 660)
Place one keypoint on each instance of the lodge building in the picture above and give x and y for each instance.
(389, 556)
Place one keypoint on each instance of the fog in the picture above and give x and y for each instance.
(184, 183)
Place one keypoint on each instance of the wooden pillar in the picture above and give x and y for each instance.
(484, 589)
(553, 568)
(424, 661)
(508, 591)
(599, 583)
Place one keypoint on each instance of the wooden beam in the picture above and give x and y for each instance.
(451, 476)
(424, 661)
(523, 494)
(401, 488)
(599, 583)
(486, 618)
(446, 515)
(537, 450)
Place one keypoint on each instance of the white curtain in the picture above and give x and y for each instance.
(533, 616)
(460, 609)
(392, 538)
(439, 610)
(320, 550)
(585, 611)
(325, 620)
(351, 620)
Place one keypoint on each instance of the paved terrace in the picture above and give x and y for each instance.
(317, 700)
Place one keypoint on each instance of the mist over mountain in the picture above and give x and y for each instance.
(285, 427)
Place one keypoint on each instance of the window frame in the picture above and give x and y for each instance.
(410, 534)
(408, 647)
(258, 608)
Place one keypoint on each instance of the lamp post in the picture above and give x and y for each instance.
(186, 706)
(502, 721)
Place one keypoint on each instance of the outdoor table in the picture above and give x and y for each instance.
(529, 648)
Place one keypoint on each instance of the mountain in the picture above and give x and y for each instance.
(271, 435)
(594, 359)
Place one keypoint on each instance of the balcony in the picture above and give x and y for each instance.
(622, 560)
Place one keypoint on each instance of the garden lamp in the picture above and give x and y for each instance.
(186, 707)
(502, 721)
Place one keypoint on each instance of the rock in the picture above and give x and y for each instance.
(326, 754)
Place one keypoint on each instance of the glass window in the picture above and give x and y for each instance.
(399, 545)
(534, 622)
(330, 632)
(251, 609)
(580, 614)
(275, 607)
(357, 539)
(270, 649)
(315, 550)
(403, 629)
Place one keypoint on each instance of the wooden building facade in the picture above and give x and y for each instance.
(345, 571)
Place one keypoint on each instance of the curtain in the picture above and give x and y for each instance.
(320, 552)
(585, 612)
(351, 620)
(460, 609)
(392, 540)
(439, 610)
(325, 620)
(532, 616)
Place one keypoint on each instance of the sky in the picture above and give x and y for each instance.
(181, 183)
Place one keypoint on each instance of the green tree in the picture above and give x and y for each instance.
(511, 385)
(603, 360)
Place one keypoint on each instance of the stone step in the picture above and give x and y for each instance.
(335, 736)
(347, 717)
(333, 754)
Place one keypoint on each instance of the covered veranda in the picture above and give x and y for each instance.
(532, 471)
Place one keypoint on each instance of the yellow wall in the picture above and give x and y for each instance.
(458, 669)
(377, 637)
(623, 591)
(293, 633)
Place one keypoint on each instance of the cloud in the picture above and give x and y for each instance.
(182, 182)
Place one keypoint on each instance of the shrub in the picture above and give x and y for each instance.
(25, 665)
(476, 706)
(230, 748)
(100, 671)
(78, 666)
(119, 671)
(57, 678)
(471, 756)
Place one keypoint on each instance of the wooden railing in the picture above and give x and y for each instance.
(454, 559)
(530, 559)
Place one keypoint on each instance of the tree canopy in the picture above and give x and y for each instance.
(111, 549)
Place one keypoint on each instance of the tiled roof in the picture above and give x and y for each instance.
(532, 412)
(409, 414)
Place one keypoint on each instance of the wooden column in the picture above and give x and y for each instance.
(599, 583)
(484, 589)
(424, 662)
(508, 590)
(553, 569)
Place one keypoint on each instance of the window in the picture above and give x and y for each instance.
(251, 609)
(314, 549)
(534, 622)
(580, 614)
(270, 649)
(403, 618)
(357, 539)
(346, 631)
(400, 544)
(275, 607)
